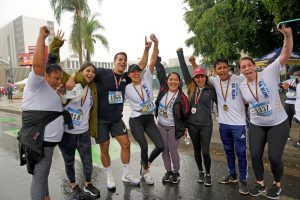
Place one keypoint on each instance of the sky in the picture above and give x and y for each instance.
(126, 23)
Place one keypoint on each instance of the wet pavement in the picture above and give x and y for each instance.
(15, 182)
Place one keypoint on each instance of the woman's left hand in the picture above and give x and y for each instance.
(286, 31)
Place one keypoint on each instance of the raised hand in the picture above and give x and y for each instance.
(192, 59)
(147, 44)
(153, 38)
(44, 31)
(60, 35)
(286, 31)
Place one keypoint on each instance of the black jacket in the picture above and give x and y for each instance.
(203, 115)
(181, 104)
(31, 135)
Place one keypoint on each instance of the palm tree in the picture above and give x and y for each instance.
(80, 8)
(89, 32)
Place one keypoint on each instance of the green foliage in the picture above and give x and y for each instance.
(225, 28)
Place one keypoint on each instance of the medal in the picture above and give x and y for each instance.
(165, 114)
(194, 110)
(225, 107)
(256, 97)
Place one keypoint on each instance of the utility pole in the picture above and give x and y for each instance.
(10, 60)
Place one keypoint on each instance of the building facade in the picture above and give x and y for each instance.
(17, 37)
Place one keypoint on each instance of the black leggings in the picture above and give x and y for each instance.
(290, 111)
(201, 137)
(141, 124)
(276, 136)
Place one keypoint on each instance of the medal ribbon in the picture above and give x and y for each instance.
(225, 97)
(141, 95)
(116, 81)
(167, 104)
(197, 95)
(256, 93)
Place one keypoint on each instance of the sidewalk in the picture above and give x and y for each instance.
(291, 155)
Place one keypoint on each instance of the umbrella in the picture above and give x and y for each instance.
(269, 58)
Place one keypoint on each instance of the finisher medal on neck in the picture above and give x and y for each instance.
(193, 110)
(225, 107)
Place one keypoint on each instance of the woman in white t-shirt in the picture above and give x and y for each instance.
(268, 119)
(140, 96)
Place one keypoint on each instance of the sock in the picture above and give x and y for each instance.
(108, 170)
(125, 168)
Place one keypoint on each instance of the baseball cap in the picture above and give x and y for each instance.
(133, 67)
(199, 70)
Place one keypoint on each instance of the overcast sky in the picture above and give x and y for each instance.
(126, 24)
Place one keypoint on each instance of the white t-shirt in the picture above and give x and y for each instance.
(165, 109)
(80, 113)
(235, 114)
(136, 94)
(290, 94)
(297, 104)
(39, 95)
(268, 111)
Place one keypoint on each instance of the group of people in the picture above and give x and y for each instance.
(7, 92)
(98, 114)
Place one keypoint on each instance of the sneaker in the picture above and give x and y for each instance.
(297, 145)
(77, 193)
(228, 179)
(274, 192)
(244, 187)
(92, 190)
(257, 189)
(207, 180)
(110, 182)
(175, 178)
(148, 179)
(129, 178)
(167, 176)
(201, 177)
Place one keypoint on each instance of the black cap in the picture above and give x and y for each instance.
(133, 67)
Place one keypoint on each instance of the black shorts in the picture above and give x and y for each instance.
(115, 128)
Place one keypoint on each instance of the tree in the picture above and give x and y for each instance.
(228, 27)
(90, 28)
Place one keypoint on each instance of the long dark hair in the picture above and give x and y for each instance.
(193, 86)
(85, 65)
(52, 64)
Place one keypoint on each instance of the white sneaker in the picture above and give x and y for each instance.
(148, 179)
(110, 182)
(130, 178)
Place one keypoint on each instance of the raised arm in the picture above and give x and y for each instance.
(185, 71)
(144, 60)
(287, 44)
(154, 52)
(38, 63)
(160, 71)
(192, 60)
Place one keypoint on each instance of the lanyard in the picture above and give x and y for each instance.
(84, 97)
(224, 97)
(197, 95)
(141, 95)
(116, 81)
(256, 93)
(167, 104)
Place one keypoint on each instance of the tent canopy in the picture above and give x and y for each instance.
(269, 58)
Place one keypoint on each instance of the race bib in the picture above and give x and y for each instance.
(147, 106)
(162, 111)
(262, 109)
(115, 97)
(76, 115)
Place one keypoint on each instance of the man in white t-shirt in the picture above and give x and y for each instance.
(232, 122)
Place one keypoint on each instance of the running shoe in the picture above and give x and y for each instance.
(274, 192)
(201, 177)
(130, 178)
(257, 189)
(228, 179)
(77, 193)
(175, 178)
(167, 176)
(207, 180)
(243, 187)
(148, 179)
(92, 190)
(110, 182)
